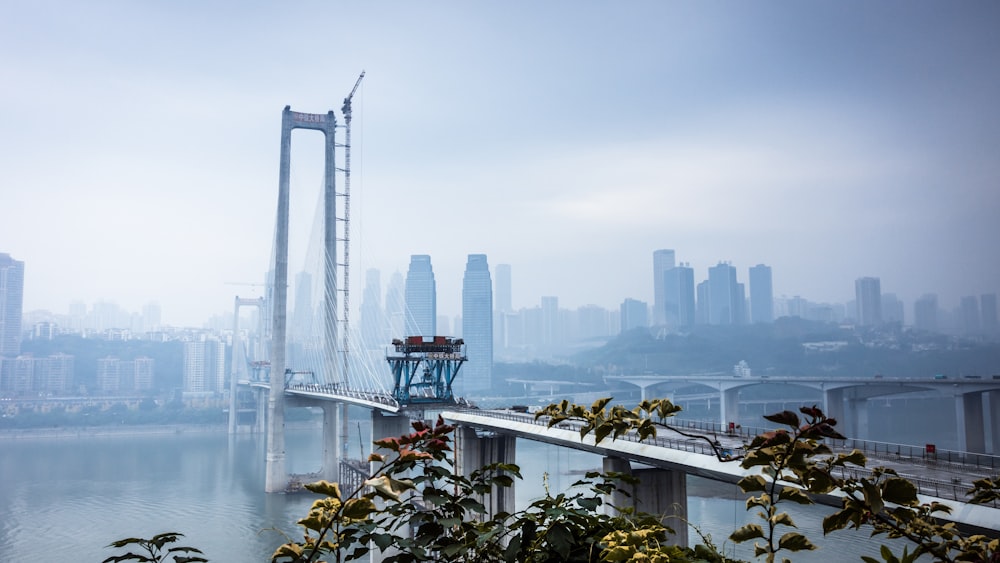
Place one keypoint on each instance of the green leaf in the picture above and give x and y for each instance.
(560, 538)
(752, 483)
(899, 491)
(795, 495)
(358, 508)
(782, 518)
(747, 532)
(788, 418)
(325, 488)
(794, 541)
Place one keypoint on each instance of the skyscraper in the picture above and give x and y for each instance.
(663, 260)
(11, 303)
(477, 327)
(679, 296)
(395, 306)
(726, 298)
(868, 297)
(374, 334)
(421, 297)
(761, 295)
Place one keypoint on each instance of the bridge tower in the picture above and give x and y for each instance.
(276, 475)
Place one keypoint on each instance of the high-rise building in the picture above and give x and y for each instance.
(988, 306)
(374, 333)
(477, 327)
(892, 309)
(761, 295)
(868, 300)
(421, 297)
(204, 366)
(679, 297)
(663, 260)
(726, 297)
(634, 314)
(925, 313)
(702, 307)
(969, 315)
(395, 306)
(550, 335)
(11, 303)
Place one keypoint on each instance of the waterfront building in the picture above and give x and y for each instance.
(925, 313)
(11, 304)
(421, 297)
(988, 307)
(868, 301)
(108, 375)
(663, 260)
(892, 309)
(761, 295)
(968, 314)
(550, 335)
(477, 327)
(204, 366)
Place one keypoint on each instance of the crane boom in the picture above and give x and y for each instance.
(346, 108)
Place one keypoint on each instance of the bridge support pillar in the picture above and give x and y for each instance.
(970, 423)
(993, 421)
(473, 451)
(260, 420)
(729, 407)
(833, 407)
(659, 491)
(856, 418)
(331, 441)
(386, 426)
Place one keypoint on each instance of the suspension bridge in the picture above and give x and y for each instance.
(311, 357)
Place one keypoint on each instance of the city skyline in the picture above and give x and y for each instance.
(830, 142)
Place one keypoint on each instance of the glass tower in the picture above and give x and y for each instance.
(421, 297)
(477, 328)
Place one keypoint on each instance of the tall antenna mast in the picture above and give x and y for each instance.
(346, 111)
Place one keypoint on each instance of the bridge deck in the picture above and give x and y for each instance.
(695, 456)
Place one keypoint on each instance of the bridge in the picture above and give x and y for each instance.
(977, 400)
(324, 368)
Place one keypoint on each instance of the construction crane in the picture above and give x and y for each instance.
(346, 111)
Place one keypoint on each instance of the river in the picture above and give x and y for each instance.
(66, 499)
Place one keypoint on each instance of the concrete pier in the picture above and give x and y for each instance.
(474, 450)
(661, 492)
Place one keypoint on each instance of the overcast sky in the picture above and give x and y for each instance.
(139, 144)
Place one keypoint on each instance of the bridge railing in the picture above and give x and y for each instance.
(986, 464)
(334, 389)
(954, 489)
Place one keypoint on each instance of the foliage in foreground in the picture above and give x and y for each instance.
(790, 464)
(413, 507)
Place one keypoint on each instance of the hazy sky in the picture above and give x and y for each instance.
(831, 140)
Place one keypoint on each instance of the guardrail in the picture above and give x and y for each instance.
(333, 389)
(951, 490)
(989, 464)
